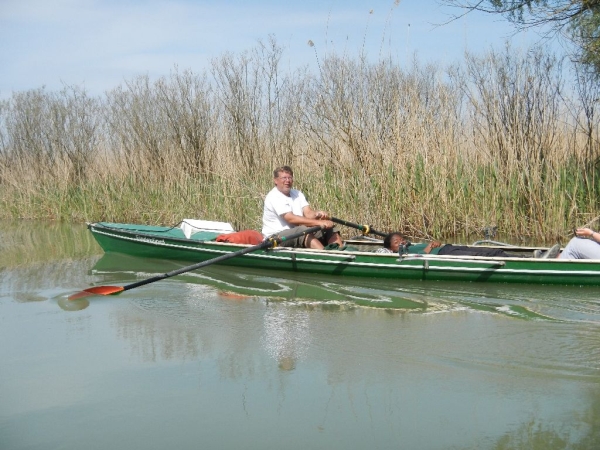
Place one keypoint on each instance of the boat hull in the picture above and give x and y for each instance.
(170, 243)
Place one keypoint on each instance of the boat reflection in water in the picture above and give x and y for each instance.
(394, 296)
(237, 283)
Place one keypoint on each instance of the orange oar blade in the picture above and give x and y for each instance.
(97, 290)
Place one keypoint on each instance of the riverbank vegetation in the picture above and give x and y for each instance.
(498, 139)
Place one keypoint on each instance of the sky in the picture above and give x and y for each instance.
(100, 44)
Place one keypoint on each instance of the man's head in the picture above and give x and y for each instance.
(283, 178)
(393, 241)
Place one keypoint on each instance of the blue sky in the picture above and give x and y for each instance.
(98, 44)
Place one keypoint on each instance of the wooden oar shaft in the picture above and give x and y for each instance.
(271, 242)
(366, 229)
(199, 265)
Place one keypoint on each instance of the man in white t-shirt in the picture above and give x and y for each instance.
(287, 209)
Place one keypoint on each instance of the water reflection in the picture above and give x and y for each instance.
(534, 434)
(120, 269)
(23, 243)
(36, 255)
(527, 302)
(307, 360)
(287, 335)
(363, 350)
(151, 339)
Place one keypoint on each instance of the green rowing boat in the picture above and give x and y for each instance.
(195, 241)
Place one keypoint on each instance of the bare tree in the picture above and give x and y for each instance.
(576, 20)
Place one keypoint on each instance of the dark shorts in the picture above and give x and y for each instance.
(321, 235)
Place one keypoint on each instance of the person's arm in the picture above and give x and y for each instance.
(295, 220)
(431, 246)
(310, 213)
(588, 233)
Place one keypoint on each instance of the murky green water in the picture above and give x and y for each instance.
(222, 359)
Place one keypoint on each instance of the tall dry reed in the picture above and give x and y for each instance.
(495, 140)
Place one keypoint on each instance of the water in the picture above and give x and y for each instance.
(223, 359)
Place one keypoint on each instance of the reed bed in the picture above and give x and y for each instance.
(435, 152)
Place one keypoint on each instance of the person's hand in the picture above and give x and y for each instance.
(584, 232)
(321, 215)
(327, 224)
(431, 246)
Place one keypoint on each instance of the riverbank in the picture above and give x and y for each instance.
(435, 209)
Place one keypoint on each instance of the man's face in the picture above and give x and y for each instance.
(284, 182)
(396, 242)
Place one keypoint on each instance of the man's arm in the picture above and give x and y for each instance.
(310, 213)
(312, 221)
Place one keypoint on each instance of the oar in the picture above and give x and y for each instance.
(366, 229)
(267, 243)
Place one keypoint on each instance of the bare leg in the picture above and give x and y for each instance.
(312, 242)
(336, 239)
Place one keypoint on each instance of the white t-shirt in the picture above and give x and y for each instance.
(276, 205)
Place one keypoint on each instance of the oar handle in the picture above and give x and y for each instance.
(270, 242)
(366, 229)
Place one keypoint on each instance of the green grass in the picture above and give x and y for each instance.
(418, 201)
